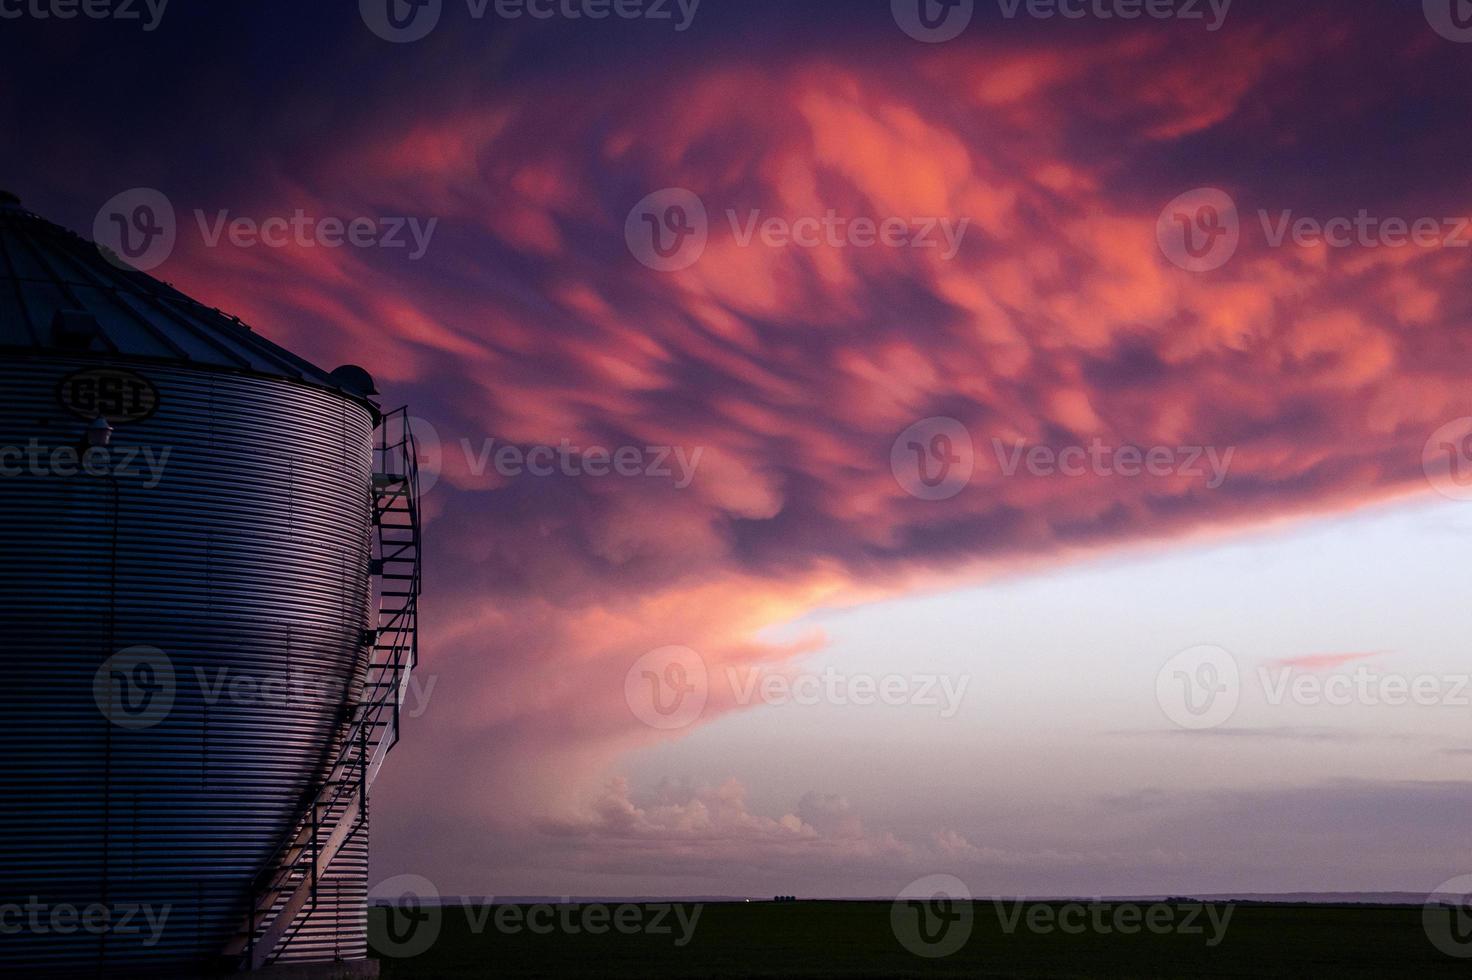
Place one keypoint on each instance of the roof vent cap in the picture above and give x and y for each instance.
(76, 330)
(354, 380)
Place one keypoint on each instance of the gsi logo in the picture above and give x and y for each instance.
(112, 393)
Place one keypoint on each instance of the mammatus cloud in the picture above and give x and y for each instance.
(1059, 323)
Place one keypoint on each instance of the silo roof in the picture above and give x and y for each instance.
(60, 293)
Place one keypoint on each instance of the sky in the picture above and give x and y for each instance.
(1027, 428)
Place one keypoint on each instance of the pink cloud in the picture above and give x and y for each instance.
(1058, 322)
(1325, 661)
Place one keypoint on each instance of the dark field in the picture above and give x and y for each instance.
(856, 939)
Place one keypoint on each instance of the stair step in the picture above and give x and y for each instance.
(335, 807)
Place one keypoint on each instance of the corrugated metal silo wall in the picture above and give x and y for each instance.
(244, 560)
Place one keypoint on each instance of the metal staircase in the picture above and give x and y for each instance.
(369, 729)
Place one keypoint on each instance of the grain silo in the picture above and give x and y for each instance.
(209, 588)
